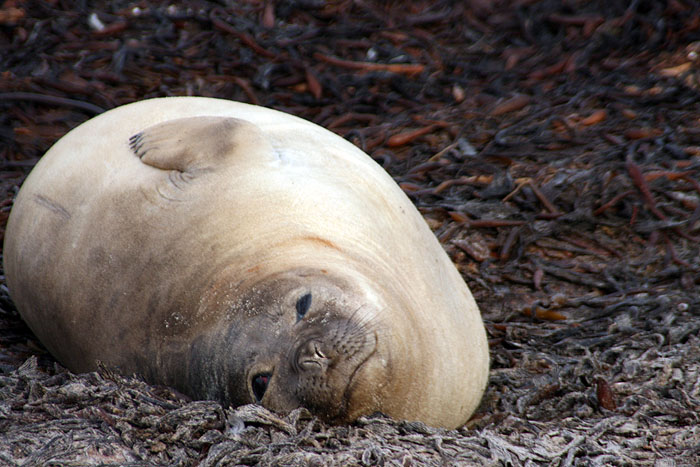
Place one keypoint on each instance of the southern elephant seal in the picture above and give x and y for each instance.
(245, 255)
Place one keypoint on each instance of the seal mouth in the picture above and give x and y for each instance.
(346, 409)
(349, 389)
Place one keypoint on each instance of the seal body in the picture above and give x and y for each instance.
(245, 255)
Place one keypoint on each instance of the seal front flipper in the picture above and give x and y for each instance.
(201, 144)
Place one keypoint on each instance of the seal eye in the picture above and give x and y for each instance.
(260, 382)
(303, 305)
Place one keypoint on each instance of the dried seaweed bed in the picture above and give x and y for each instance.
(553, 146)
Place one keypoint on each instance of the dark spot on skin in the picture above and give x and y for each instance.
(303, 305)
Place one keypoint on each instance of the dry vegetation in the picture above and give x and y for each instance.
(553, 146)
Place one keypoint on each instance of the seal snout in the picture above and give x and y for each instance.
(311, 357)
(325, 363)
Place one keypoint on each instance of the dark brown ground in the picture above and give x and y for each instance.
(553, 146)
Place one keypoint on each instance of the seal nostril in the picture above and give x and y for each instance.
(318, 353)
(310, 357)
(303, 305)
(259, 384)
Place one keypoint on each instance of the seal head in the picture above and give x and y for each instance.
(307, 341)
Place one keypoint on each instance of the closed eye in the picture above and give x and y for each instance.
(303, 305)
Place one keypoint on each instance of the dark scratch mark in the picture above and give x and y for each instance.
(52, 206)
